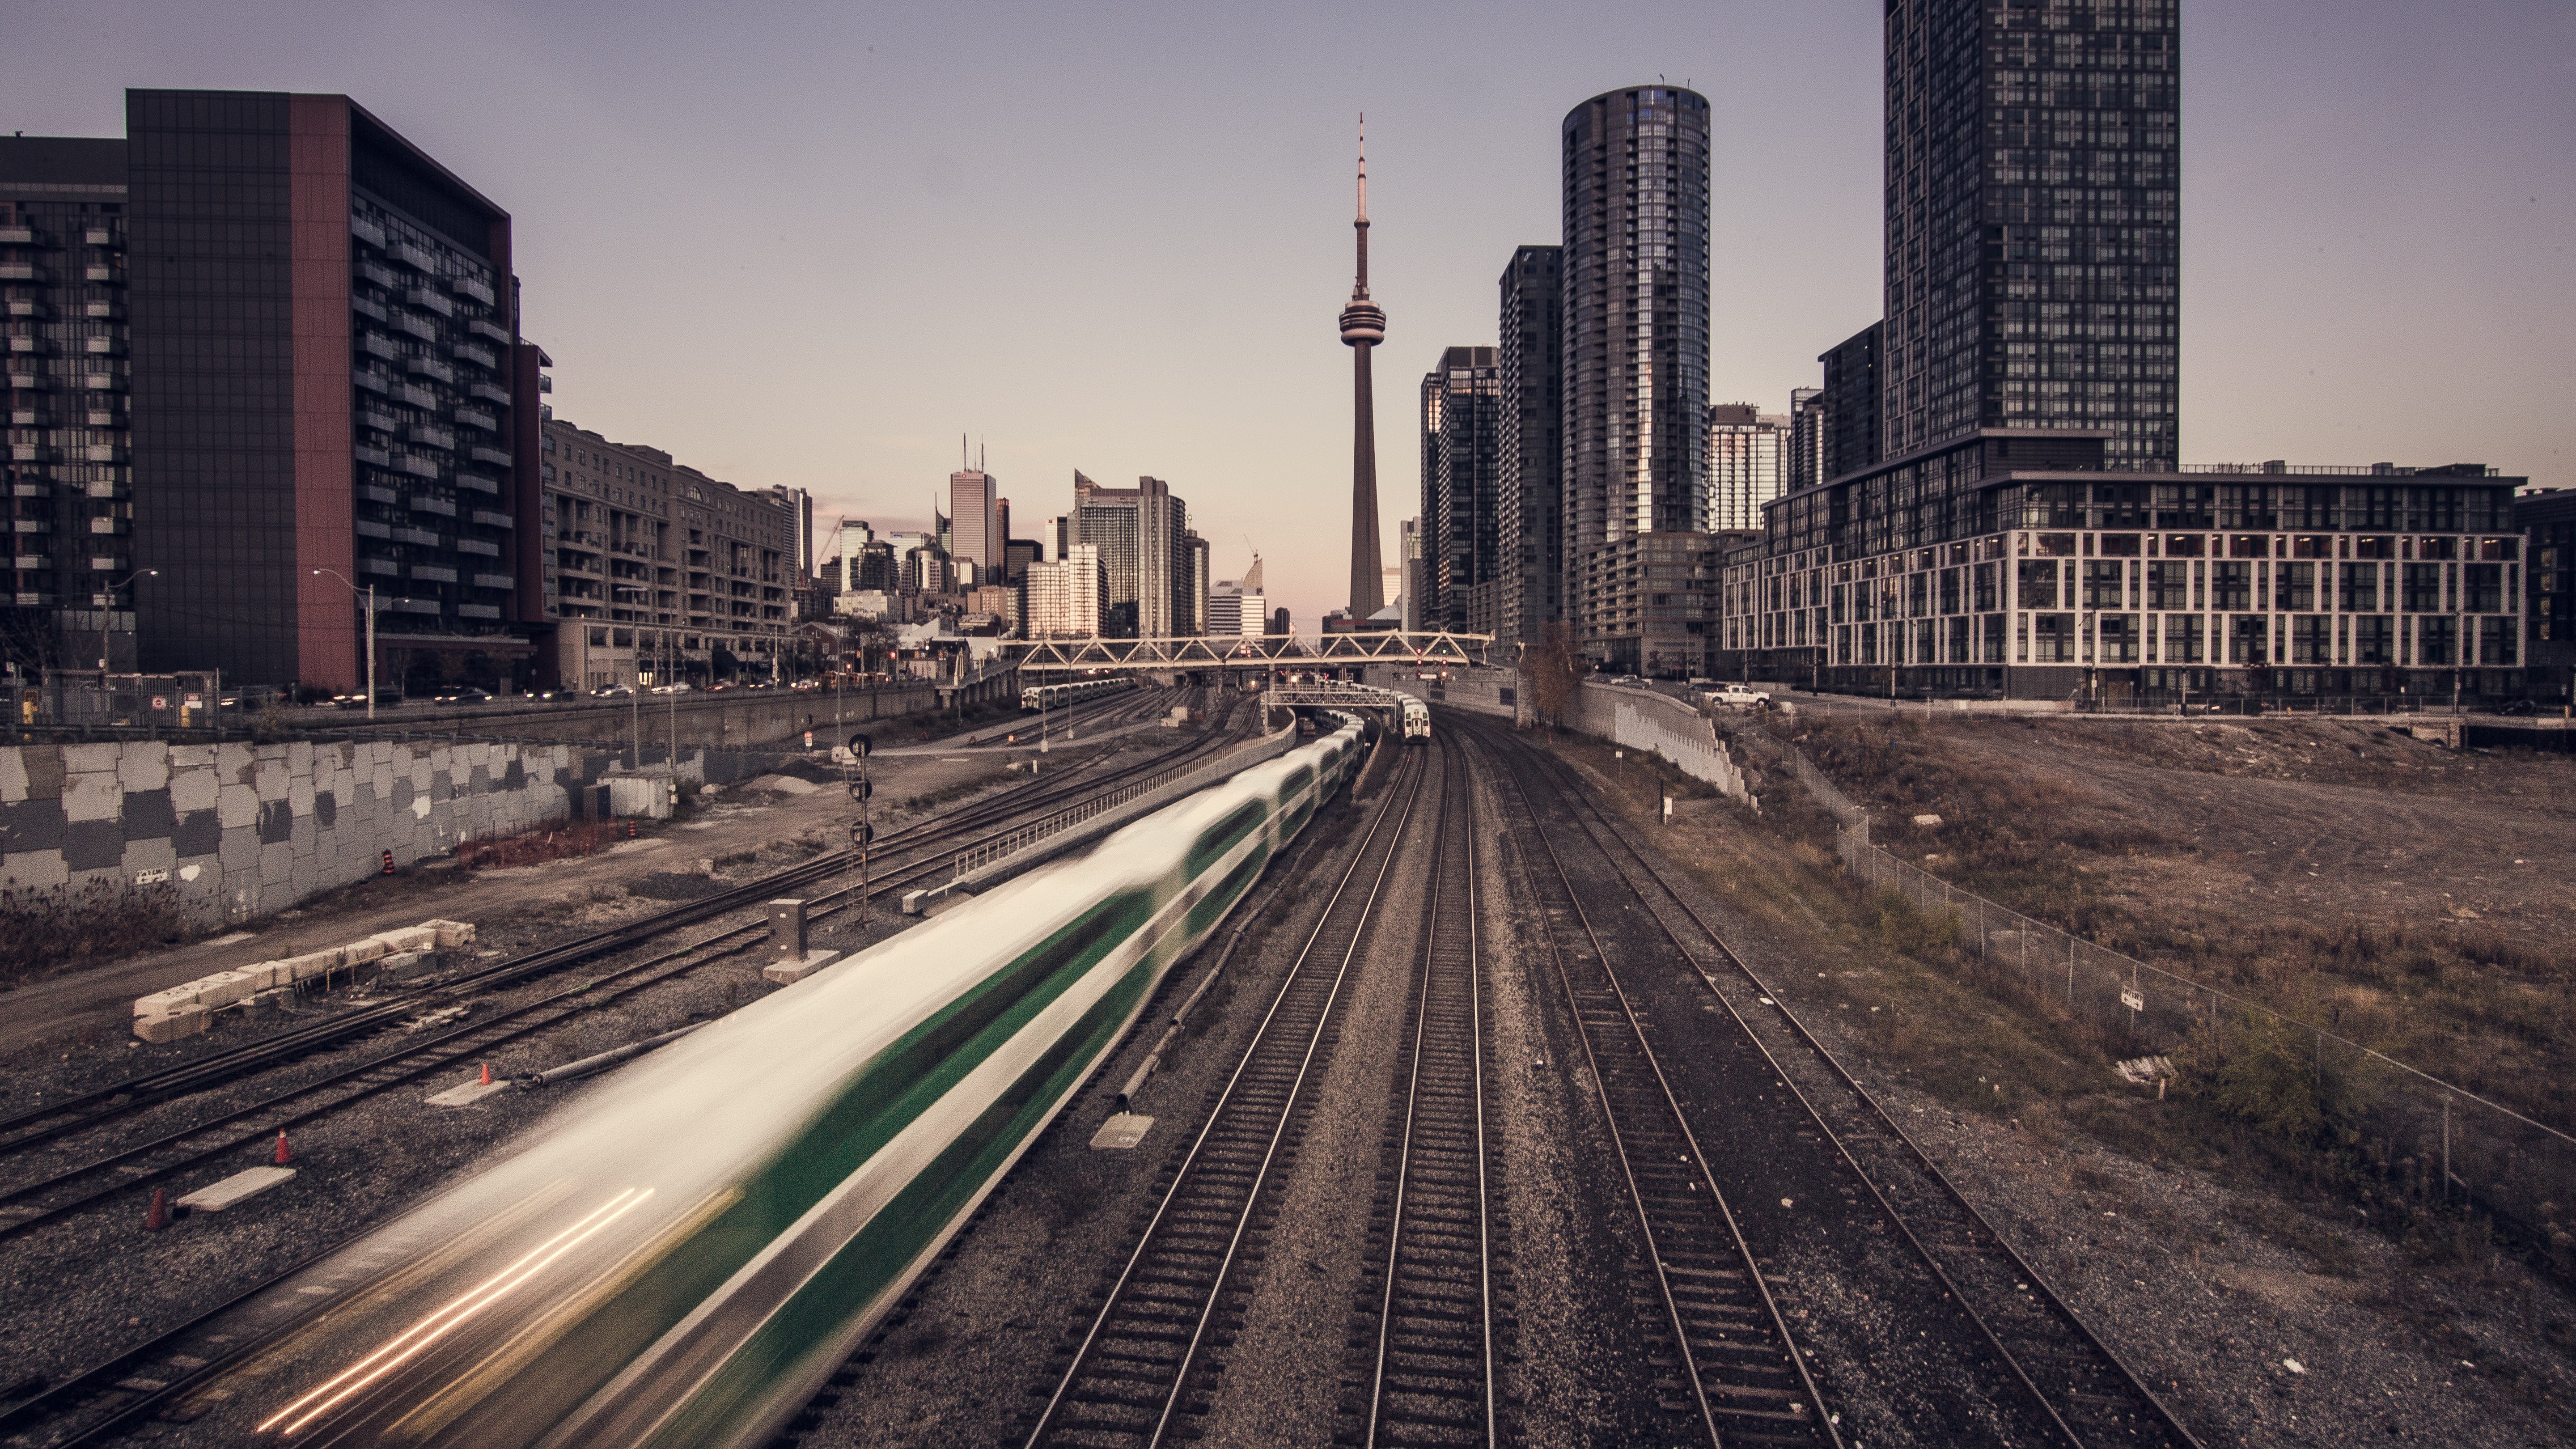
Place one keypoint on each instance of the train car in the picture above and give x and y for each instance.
(685, 1256)
(1417, 721)
(1057, 696)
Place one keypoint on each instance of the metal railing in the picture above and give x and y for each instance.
(2430, 1140)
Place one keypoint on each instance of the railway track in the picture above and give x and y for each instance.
(1430, 1373)
(1736, 1372)
(32, 1204)
(2087, 1394)
(1173, 1306)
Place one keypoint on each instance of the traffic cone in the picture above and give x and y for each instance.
(487, 1074)
(159, 1217)
(283, 1156)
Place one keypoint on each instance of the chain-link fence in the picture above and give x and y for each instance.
(2429, 1140)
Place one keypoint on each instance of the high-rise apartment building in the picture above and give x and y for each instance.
(1851, 400)
(2033, 184)
(655, 569)
(1141, 534)
(1634, 316)
(1806, 437)
(1462, 493)
(1063, 598)
(1527, 541)
(1748, 464)
(303, 332)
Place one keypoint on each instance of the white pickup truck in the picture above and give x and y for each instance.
(1737, 696)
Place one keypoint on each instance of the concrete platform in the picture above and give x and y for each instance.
(471, 1093)
(788, 973)
(1121, 1132)
(240, 1187)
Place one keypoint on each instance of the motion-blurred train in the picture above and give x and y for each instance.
(685, 1257)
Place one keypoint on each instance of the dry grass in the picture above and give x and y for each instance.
(53, 930)
(569, 840)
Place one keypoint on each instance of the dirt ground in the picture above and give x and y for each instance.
(2410, 895)
(2258, 1298)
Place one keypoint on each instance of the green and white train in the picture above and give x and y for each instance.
(689, 1253)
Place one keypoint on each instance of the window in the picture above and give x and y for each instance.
(2039, 583)
(2298, 588)
(2245, 639)
(2168, 586)
(2052, 639)
(2481, 588)
(2423, 588)
(2312, 639)
(2231, 587)
(2119, 638)
(2374, 639)
(2359, 593)
(2436, 639)
(2182, 638)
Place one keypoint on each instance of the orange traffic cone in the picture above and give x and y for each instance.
(283, 1156)
(159, 1217)
(487, 1074)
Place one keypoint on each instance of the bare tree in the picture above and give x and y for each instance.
(1554, 670)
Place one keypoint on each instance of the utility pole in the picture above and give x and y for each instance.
(371, 642)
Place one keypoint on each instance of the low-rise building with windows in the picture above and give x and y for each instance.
(2013, 564)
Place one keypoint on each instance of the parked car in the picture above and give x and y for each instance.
(1738, 696)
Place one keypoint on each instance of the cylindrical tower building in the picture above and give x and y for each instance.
(1634, 317)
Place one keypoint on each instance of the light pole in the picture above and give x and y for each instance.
(370, 592)
(107, 618)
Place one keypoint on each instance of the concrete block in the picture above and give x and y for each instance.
(299, 758)
(198, 832)
(233, 763)
(270, 779)
(236, 1189)
(45, 773)
(93, 794)
(276, 823)
(239, 849)
(237, 806)
(165, 1002)
(276, 866)
(268, 976)
(381, 780)
(13, 775)
(38, 869)
(299, 794)
(192, 757)
(408, 938)
(185, 1022)
(450, 934)
(90, 759)
(788, 973)
(142, 856)
(193, 787)
(148, 814)
(93, 845)
(225, 987)
(470, 1093)
(143, 765)
(400, 966)
(33, 824)
(422, 772)
(1121, 1132)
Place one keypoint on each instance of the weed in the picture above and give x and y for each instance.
(51, 930)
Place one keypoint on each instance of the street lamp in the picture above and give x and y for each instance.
(370, 592)
(107, 617)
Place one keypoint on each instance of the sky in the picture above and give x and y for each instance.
(815, 244)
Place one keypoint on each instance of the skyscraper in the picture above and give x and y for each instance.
(1748, 458)
(2033, 222)
(1806, 437)
(1461, 486)
(1851, 401)
(1142, 534)
(975, 524)
(1363, 327)
(1635, 316)
(1532, 342)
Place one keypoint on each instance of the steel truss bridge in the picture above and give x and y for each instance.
(1335, 696)
(1268, 651)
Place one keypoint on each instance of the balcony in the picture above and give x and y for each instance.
(105, 490)
(102, 311)
(473, 419)
(98, 417)
(102, 276)
(103, 346)
(29, 346)
(372, 380)
(422, 328)
(23, 236)
(414, 606)
(369, 528)
(488, 393)
(30, 418)
(417, 466)
(411, 256)
(488, 331)
(497, 457)
(423, 503)
(111, 527)
(381, 276)
(495, 581)
(433, 573)
(28, 599)
(477, 611)
(365, 308)
(23, 272)
(102, 381)
(478, 546)
(490, 519)
(471, 287)
(102, 453)
(429, 301)
(28, 307)
(419, 397)
(429, 367)
(381, 422)
(439, 438)
(467, 352)
(478, 483)
(33, 561)
(381, 566)
(380, 458)
(367, 231)
(30, 453)
(96, 235)
(30, 381)
(377, 345)
(420, 536)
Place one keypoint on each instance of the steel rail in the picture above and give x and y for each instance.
(1808, 1410)
(1981, 1231)
(1448, 1034)
(1266, 1090)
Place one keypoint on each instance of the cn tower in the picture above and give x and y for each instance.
(1363, 327)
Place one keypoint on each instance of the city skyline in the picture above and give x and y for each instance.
(2442, 221)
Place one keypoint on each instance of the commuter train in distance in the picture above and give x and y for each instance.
(1417, 721)
(686, 1254)
(1057, 696)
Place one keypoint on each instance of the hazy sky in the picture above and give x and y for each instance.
(812, 244)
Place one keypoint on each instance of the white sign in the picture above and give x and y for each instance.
(2132, 1000)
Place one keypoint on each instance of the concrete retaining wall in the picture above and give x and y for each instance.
(240, 830)
(1641, 719)
(1486, 691)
